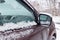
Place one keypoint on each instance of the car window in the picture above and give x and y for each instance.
(13, 11)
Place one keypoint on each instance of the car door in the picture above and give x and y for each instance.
(43, 28)
(18, 20)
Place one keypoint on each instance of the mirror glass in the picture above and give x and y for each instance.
(45, 20)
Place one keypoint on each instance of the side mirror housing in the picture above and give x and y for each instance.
(44, 20)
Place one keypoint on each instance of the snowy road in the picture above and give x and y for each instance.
(58, 31)
(57, 25)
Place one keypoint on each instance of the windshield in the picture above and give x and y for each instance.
(13, 11)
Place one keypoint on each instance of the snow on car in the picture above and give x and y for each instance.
(19, 20)
(14, 35)
(8, 26)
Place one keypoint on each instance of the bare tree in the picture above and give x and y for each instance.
(53, 7)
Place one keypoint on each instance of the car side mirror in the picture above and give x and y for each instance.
(45, 20)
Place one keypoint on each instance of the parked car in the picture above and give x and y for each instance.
(19, 20)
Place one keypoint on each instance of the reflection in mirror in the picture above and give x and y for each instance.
(45, 20)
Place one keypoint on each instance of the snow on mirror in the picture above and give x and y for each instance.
(45, 20)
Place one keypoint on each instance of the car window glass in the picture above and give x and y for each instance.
(13, 11)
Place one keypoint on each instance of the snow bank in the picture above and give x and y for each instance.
(56, 19)
(23, 24)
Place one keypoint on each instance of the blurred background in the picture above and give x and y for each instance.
(52, 7)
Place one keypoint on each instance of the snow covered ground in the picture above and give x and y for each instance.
(56, 19)
(58, 31)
